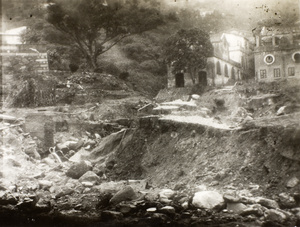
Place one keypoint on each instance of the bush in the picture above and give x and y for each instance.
(73, 67)
(135, 51)
(123, 75)
(145, 82)
(219, 102)
(108, 67)
(151, 66)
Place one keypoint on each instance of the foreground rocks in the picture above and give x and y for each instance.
(123, 202)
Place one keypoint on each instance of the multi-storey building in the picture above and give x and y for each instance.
(232, 59)
(277, 53)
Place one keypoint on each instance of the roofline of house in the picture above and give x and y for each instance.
(229, 62)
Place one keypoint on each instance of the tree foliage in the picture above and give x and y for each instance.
(92, 26)
(188, 50)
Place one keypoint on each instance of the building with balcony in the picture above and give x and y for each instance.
(277, 53)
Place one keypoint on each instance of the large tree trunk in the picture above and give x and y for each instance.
(90, 56)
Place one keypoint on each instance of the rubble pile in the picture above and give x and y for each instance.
(76, 183)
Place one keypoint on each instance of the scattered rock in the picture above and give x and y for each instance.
(87, 184)
(214, 183)
(292, 182)
(273, 215)
(207, 200)
(39, 175)
(109, 215)
(269, 203)
(179, 186)
(63, 192)
(100, 169)
(138, 185)
(126, 194)
(165, 200)
(231, 198)
(42, 206)
(151, 196)
(252, 210)
(78, 169)
(7, 198)
(286, 201)
(126, 208)
(151, 209)
(168, 210)
(25, 204)
(296, 211)
(2, 188)
(195, 96)
(76, 146)
(185, 205)
(12, 162)
(167, 193)
(281, 111)
(49, 161)
(236, 208)
(45, 184)
(91, 177)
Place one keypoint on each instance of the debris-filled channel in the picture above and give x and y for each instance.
(149, 172)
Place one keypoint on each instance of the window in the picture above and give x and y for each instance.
(263, 74)
(291, 71)
(218, 68)
(296, 57)
(269, 59)
(226, 70)
(276, 72)
(232, 73)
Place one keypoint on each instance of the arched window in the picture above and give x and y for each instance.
(218, 68)
(232, 73)
(226, 70)
(296, 57)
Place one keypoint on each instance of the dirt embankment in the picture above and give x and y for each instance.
(169, 153)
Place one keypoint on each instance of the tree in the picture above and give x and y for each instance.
(188, 50)
(93, 26)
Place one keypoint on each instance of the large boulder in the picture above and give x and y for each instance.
(286, 201)
(269, 203)
(166, 195)
(277, 215)
(292, 182)
(90, 176)
(208, 200)
(126, 194)
(236, 208)
(78, 169)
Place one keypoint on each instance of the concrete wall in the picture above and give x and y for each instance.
(283, 61)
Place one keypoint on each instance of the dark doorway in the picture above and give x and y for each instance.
(202, 78)
(179, 80)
